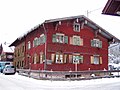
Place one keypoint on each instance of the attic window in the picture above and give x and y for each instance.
(76, 27)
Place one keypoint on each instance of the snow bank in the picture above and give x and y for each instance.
(18, 82)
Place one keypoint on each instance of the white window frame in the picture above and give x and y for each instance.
(60, 38)
(76, 27)
(35, 58)
(96, 59)
(96, 43)
(41, 57)
(42, 37)
(59, 58)
(76, 40)
(77, 59)
(35, 42)
(29, 45)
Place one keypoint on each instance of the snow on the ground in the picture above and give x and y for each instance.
(18, 82)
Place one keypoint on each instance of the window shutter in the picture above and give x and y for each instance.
(44, 39)
(35, 41)
(29, 45)
(92, 43)
(66, 39)
(33, 59)
(70, 59)
(65, 58)
(81, 41)
(100, 60)
(81, 59)
(37, 58)
(78, 41)
(74, 41)
(41, 57)
(92, 60)
(100, 44)
(71, 40)
(54, 38)
(53, 58)
(39, 41)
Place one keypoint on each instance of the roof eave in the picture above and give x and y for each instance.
(91, 24)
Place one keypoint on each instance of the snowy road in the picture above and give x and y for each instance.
(17, 82)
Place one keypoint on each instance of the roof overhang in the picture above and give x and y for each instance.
(112, 7)
(89, 23)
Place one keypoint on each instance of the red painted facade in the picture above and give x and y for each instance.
(86, 50)
(59, 56)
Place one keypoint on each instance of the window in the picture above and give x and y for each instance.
(35, 42)
(59, 58)
(29, 45)
(41, 57)
(70, 59)
(60, 38)
(36, 58)
(96, 43)
(76, 27)
(76, 40)
(23, 48)
(42, 39)
(96, 59)
(77, 59)
(53, 58)
(65, 58)
(39, 41)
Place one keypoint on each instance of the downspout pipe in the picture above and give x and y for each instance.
(45, 62)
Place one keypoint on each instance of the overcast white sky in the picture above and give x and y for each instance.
(19, 16)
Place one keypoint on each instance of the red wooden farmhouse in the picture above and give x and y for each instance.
(63, 44)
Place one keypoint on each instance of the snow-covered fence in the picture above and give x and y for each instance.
(69, 75)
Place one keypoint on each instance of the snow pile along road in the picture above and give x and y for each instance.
(18, 82)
